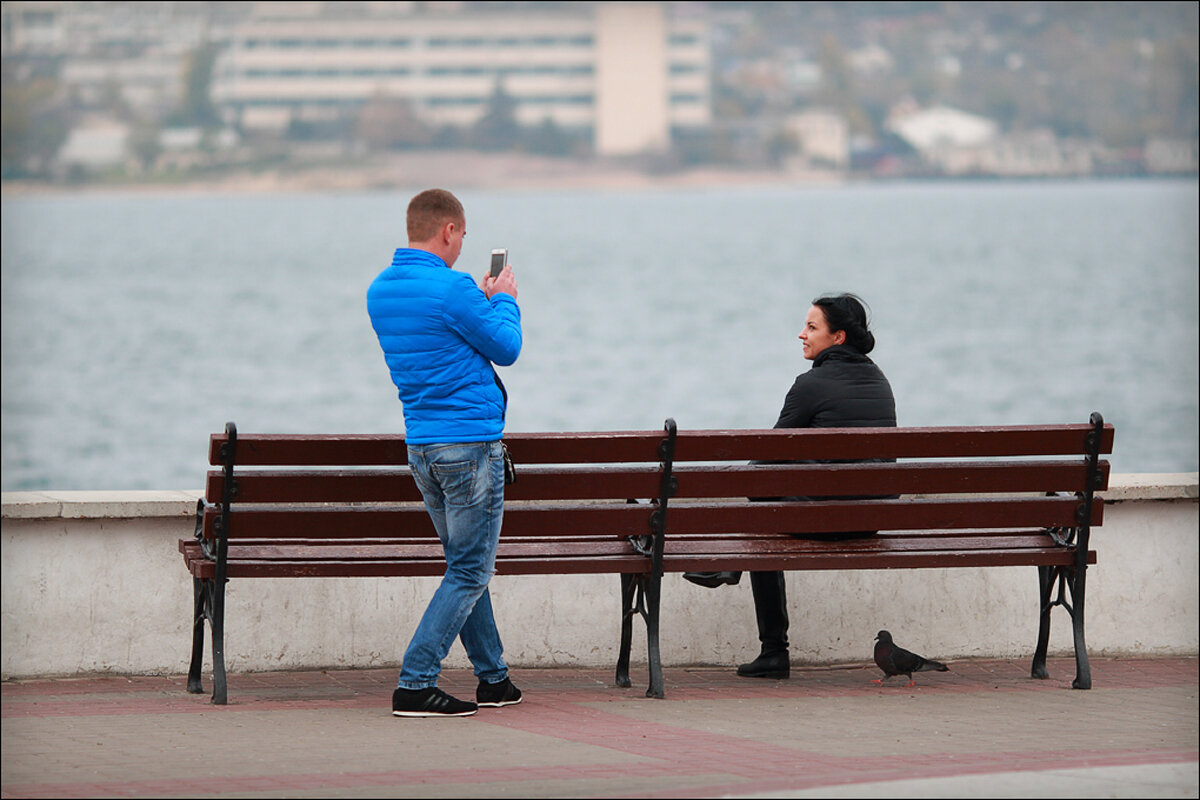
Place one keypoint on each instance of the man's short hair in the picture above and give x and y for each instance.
(429, 211)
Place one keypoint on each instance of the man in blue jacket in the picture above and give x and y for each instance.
(440, 334)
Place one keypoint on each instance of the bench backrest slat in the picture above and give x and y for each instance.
(296, 450)
(860, 443)
(397, 485)
(827, 480)
(717, 445)
(642, 481)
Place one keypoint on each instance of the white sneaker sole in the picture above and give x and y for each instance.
(501, 703)
(432, 713)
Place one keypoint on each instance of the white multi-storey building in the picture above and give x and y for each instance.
(628, 73)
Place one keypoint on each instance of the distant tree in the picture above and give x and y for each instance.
(112, 100)
(693, 146)
(145, 144)
(780, 145)
(450, 137)
(1001, 101)
(838, 89)
(549, 139)
(196, 106)
(1174, 89)
(34, 123)
(498, 128)
(388, 123)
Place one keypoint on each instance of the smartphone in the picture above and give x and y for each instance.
(499, 261)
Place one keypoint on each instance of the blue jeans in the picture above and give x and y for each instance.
(463, 487)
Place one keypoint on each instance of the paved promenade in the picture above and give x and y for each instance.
(982, 730)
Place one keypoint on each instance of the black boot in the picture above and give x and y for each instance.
(767, 665)
(712, 580)
(770, 610)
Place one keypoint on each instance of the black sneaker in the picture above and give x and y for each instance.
(430, 702)
(494, 695)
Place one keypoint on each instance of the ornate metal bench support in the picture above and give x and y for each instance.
(209, 595)
(640, 594)
(1073, 578)
(1067, 580)
(636, 597)
(628, 609)
(200, 613)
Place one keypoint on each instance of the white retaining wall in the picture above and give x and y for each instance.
(93, 582)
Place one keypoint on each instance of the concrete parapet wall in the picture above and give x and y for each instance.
(93, 582)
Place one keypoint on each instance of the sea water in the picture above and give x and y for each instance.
(136, 324)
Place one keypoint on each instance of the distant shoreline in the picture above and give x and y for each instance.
(477, 171)
(456, 170)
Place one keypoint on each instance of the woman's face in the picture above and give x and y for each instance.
(816, 335)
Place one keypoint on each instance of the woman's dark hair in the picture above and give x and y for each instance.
(847, 312)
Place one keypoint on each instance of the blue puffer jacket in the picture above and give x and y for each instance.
(440, 335)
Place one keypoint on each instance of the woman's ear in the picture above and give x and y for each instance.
(839, 337)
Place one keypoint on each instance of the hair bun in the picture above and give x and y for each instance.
(867, 342)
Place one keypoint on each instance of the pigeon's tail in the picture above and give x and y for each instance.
(931, 666)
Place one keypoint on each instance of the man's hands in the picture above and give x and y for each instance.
(504, 282)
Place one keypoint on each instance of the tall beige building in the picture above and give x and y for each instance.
(628, 73)
(632, 113)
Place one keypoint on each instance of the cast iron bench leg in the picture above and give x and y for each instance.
(1083, 670)
(1074, 579)
(653, 590)
(628, 609)
(1046, 585)
(199, 612)
(218, 638)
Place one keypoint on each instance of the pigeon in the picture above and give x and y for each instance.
(895, 660)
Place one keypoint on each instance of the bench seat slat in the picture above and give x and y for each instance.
(897, 535)
(869, 544)
(632, 564)
(710, 546)
(408, 550)
(904, 560)
(828, 559)
(682, 546)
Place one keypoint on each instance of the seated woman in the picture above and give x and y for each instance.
(843, 389)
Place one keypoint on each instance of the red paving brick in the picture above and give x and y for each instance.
(319, 733)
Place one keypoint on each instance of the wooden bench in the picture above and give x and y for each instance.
(643, 503)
